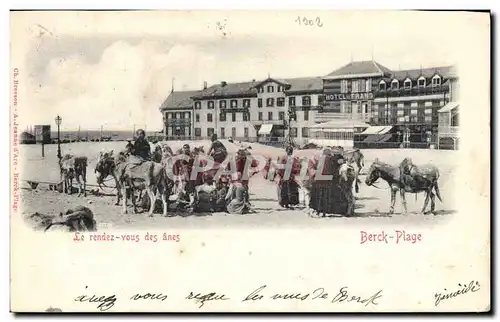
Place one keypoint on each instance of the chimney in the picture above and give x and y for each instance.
(204, 85)
(223, 83)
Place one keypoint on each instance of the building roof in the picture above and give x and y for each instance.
(373, 67)
(276, 80)
(178, 100)
(444, 71)
(228, 90)
(305, 84)
(359, 68)
(449, 107)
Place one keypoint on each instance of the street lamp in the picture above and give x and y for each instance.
(58, 122)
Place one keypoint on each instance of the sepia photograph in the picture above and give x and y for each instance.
(355, 129)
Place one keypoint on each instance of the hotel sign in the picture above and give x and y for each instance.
(349, 96)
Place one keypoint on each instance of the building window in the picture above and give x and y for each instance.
(348, 108)
(279, 88)
(401, 119)
(234, 103)
(421, 82)
(428, 119)
(270, 89)
(174, 116)
(381, 86)
(197, 105)
(355, 86)
(260, 116)
(211, 104)
(209, 117)
(291, 101)
(222, 117)
(362, 85)
(270, 102)
(306, 115)
(168, 115)
(246, 102)
(245, 131)
(343, 86)
(260, 89)
(436, 80)
(233, 116)
(222, 104)
(306, 101)
(259, 102)
(210, 131)
(245, 117)
(293, 132)
(413, 119)
(197, 117)
(407, 83)
(280, 101)
(281, 116)
(270, 116)
(414, 112)
(395, 84)
(197, 131)
(428, 111)
(401, 113)
(222, 133)
(305, 132)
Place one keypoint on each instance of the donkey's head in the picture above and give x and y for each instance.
(104, 166)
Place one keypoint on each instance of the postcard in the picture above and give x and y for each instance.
(250, 161)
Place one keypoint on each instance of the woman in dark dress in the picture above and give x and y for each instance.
(288, 188)
(325, 196)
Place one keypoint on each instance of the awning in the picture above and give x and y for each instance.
(265, 129)
(377, 130)
(448, 107)
(330, 130)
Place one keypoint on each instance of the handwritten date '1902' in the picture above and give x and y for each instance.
(304, 21)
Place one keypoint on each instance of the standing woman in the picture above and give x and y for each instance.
(288, 188)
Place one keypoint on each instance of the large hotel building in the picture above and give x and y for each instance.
(361, 94)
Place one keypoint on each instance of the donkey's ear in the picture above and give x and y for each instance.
(111, 152)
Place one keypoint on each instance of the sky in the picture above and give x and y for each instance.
(115, 69)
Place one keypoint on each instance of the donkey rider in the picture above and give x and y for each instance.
(141, 151)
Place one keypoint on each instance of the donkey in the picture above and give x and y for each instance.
(74, 167)
(401, 181)
(149, 175)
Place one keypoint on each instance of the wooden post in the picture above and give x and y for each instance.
(43, 149)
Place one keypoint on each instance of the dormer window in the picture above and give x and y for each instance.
(407, 83)
(395, 84)
(436, 80)
(270, 89)
(382, 85)
(421, 81)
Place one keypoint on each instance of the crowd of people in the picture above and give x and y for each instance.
(228, 192)
(208, 192)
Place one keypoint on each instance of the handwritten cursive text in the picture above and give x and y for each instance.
(201, 299)
(473, 286)
(105, 302)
